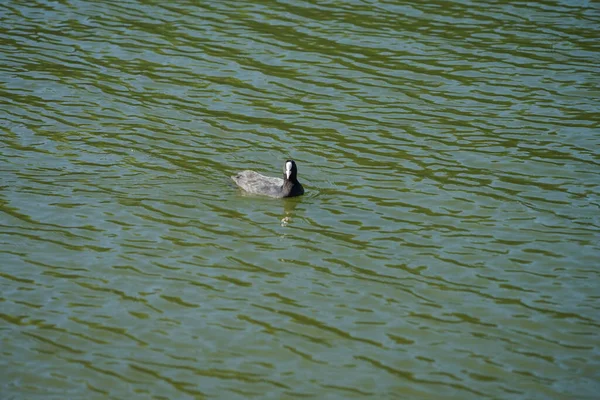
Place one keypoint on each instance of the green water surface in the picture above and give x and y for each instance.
(447, 246)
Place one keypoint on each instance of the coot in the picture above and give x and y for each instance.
(253, 182)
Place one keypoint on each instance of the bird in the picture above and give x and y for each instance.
(255, 183)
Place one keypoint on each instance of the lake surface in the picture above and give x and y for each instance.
(447, 245)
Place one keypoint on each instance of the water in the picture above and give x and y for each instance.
(446, 246)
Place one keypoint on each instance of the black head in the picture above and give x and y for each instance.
(290, 171)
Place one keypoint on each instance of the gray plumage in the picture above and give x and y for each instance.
(253, 182)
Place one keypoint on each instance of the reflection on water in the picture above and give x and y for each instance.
(445, 247)
(289, 206)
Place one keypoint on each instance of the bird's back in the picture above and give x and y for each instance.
(253, 182)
